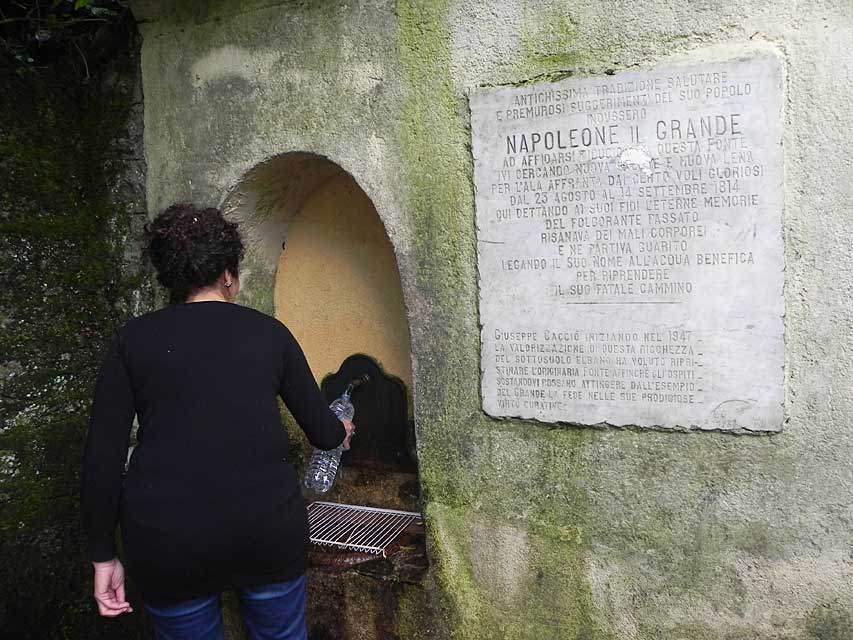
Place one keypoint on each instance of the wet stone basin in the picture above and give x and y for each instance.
(360, 596)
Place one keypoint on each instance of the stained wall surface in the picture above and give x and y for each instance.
(539, 531)
(337, 286)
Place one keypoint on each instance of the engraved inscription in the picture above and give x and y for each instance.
(630, 247)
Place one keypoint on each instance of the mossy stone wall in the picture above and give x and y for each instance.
(71, 177)
(536, 530)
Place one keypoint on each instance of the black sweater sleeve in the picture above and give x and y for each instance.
(106, 453)
(305, 401)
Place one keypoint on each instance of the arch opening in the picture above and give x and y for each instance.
(320, 260)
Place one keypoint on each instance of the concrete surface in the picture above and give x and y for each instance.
(539, 531)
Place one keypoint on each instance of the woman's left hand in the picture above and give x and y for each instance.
(350, 427)
(109, 588)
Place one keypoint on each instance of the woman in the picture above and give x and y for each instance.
(210, 500)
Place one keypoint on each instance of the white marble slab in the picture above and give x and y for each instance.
(630, 247)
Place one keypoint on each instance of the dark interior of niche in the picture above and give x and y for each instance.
(384, 432)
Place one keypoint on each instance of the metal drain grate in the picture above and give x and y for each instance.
(354, 528)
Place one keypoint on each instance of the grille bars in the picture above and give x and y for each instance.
(355, 528)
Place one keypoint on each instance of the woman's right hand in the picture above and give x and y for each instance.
(109, 588)
(350, 427)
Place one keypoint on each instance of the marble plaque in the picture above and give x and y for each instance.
(630, 250)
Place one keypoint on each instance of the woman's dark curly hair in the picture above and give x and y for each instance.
(190, 248)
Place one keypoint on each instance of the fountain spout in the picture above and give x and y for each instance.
(355, 383)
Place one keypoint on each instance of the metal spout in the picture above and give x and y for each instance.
(357, 382)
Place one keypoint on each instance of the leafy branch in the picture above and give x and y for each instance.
(29, 30)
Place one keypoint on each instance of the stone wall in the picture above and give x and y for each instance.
(72, 202)
(536, 530)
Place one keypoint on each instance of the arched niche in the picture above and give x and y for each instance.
(320, 260)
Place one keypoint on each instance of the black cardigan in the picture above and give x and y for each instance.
(210, 500)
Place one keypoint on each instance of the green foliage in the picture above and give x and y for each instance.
(42, 28)
(61, 243)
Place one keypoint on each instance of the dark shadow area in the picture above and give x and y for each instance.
(71, 202)
(383, 417)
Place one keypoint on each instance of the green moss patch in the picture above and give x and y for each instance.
(61, 253)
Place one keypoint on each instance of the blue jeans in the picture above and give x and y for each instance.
(269, 612)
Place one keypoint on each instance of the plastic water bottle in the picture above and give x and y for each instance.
(323, 466)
